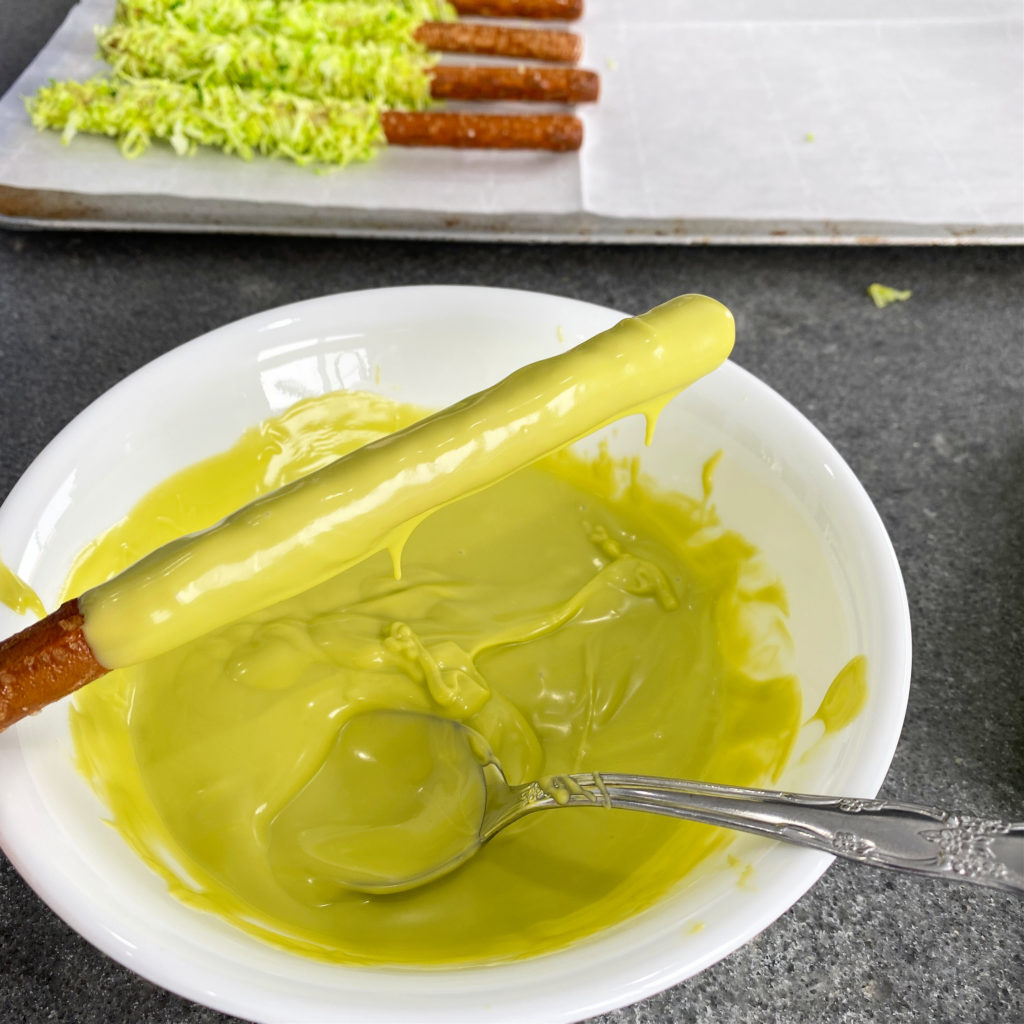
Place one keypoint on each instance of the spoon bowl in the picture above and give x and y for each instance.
(900, 837)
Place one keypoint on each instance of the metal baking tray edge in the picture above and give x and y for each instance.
(45, 209)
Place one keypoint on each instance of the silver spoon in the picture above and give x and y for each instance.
(902, 837)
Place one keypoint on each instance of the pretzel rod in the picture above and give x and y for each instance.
(43, 663)
(500, 41)
(557, 132)
(555, 10)
(553, 85)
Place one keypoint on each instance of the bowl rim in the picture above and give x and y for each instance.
(203, 985)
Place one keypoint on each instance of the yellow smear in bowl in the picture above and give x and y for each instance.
(573, 615)
(17, 595)
(846, 696)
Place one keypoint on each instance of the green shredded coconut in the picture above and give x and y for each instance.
(240, 121)
(882, 295)
(342, 23)
(392, 75)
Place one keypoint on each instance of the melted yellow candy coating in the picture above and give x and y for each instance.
(572, 615)
(373, 498)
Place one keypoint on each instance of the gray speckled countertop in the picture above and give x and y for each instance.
(924, 399)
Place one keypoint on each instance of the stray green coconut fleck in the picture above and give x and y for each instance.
(882, 295)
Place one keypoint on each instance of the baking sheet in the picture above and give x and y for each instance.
(738, 120)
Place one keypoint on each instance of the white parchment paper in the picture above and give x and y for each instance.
(788, 110)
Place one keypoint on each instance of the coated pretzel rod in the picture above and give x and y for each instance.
(329, 520)
(335, 22)
(307, 130)
(315, 68)
(321, 70)
(527, 10)
(500, 41)
(553, 10)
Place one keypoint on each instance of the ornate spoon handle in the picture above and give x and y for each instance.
(903, 837)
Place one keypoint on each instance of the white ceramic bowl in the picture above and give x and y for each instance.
(780, 483)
